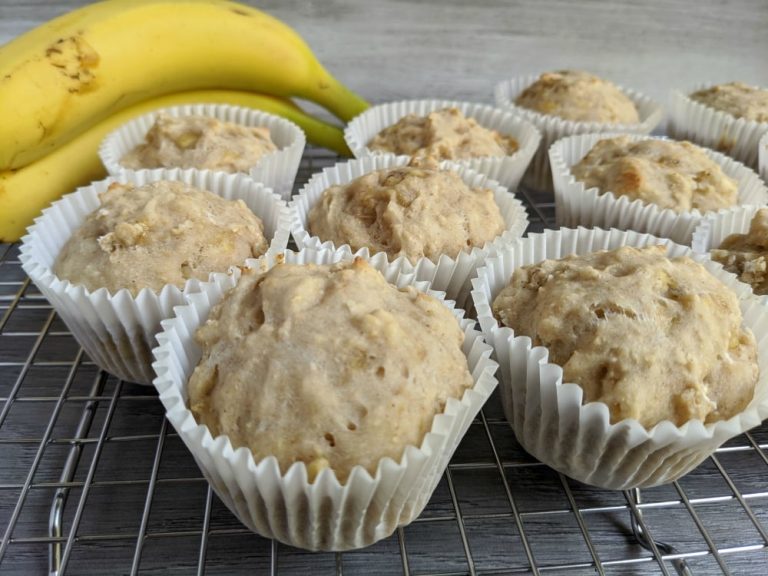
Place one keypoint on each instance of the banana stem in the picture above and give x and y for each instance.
(321, 134)
(318, 132)
(340, 100)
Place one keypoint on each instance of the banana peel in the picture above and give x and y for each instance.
(64, 77)
(25, 192)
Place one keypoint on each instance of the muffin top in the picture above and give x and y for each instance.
(416, 210)
(653, 338)
(578, 96)
(745, 254)
(200, 142)
(674, 175)
(327, 365)
(443, 134)
(157, 234)
(737, 99)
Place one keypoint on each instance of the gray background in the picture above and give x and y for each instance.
(391, 49)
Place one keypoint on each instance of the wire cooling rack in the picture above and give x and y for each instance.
(93, 481)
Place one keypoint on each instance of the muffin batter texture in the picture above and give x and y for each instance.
(160, 233)
(580, 97)
(674, 175)
(653, 338)
(200, 142)
(415, 211)
(443, 134)
(331, 366)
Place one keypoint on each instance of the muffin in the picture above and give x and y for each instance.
(737, 99)
(159, 233)
(416, 211)
(280, 140)
(657, 182)
(580, 97)
(124, 240)
(570, 103)
(653, 338)
(745, 254)
(444, 134)
(730, 118)
(274, 379)
(674, 175)
(487, 139)
(201, 142)
(308, 505)
(632, 312)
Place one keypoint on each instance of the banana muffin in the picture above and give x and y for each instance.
(200, 142)
(654, 338)
(331, 366)
(156, 234)
(736, 99)
(418, 210)
(745, 254)
(674, 175)
(578, 96)
(443, 134)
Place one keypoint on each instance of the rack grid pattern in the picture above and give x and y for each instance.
(93, 481)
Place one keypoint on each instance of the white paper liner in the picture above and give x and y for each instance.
(507, 170)
(763, 157)
(576, 205)
(694, 121)
(547, 415)
(449, 274)
(276, 170)
(553, 128)
(118, 330)
(324, 515)
(717, 226)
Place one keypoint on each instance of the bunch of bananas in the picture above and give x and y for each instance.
(67, 83)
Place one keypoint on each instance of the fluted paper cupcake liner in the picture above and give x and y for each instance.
(717, 226)
(276, 170)
(450, 274)
(507, 170)
(118, 330)
(553, 128)
(577, 205)
(324, 514)
(694, 121)
(547, 414)
(763, 157)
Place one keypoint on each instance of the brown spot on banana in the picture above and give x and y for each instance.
(77, 60)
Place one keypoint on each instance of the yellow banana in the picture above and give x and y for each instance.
(24, 192)
(69, 74)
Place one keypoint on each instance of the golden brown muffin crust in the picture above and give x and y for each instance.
(737, 99)
(745, 254)
(200, 142)
(674, 175)
(327, 365)
(444, 134)
(157, 234)
(654, 338)
(416, 210)
(578, 96)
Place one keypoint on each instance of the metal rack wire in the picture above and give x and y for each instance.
(93, 481)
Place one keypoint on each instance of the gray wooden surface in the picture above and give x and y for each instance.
(390, 49)
(387, 50)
